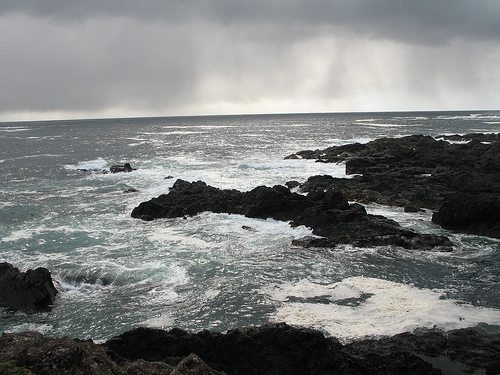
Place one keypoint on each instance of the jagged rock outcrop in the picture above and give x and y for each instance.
(28, 290)
(327, 213)
(477, 214)
(270, 349)
(282, 349)
(121, 168)
(275, 349)
(418, 172)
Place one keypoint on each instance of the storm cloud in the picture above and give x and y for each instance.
(65, 59)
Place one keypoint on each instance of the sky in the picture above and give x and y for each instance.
(64, 59)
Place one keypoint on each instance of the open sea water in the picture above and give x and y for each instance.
(60, 210)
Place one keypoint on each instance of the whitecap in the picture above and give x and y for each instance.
(31, 327)
(12, 129)
(172, 235)
(98, 164)
(385, 125)
(19, 234)
(161, 321)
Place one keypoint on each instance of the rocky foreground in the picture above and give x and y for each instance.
(271, 349)
(460, 181)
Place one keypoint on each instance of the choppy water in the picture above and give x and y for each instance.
(116, 273)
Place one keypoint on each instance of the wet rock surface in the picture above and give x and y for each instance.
(121, 168)
(28, 290)
(327, 213)
(269, 349)
(53, 356)
(476, 214)
(420, 172)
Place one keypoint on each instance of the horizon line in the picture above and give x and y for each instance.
(245, 114)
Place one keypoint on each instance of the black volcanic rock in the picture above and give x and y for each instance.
(421, 172)
(478, 214)
(462, 346)
(282, 349)
(270, 349)
(274, 349)
(328, 213)
(57, 356)
(121, 168)
(25, 290)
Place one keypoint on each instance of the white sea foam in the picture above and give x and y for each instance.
(12, 129)
(28, 233)
(412, 117)
(92, 165)
(473, 116)
(172, 235)
(138, 143)
(30, 327)
(161, 321)
(185, 132)
(361, 306)
(385, 125)
(19, 234)
(273, 165)
(212, 293)
(197, 127)
(298, 168)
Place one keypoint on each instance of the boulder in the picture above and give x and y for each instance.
(28, 290)
(466, 347)
(122, 168)
(477, 214)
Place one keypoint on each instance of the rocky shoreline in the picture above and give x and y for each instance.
(273, 349)
(269, 349)
(459, 181)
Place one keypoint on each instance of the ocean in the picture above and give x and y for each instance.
(60, 209)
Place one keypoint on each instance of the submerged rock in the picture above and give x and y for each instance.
(328, 213)
(28, 290)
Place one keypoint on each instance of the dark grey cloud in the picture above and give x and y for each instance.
(418, 21)
(95, 58)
